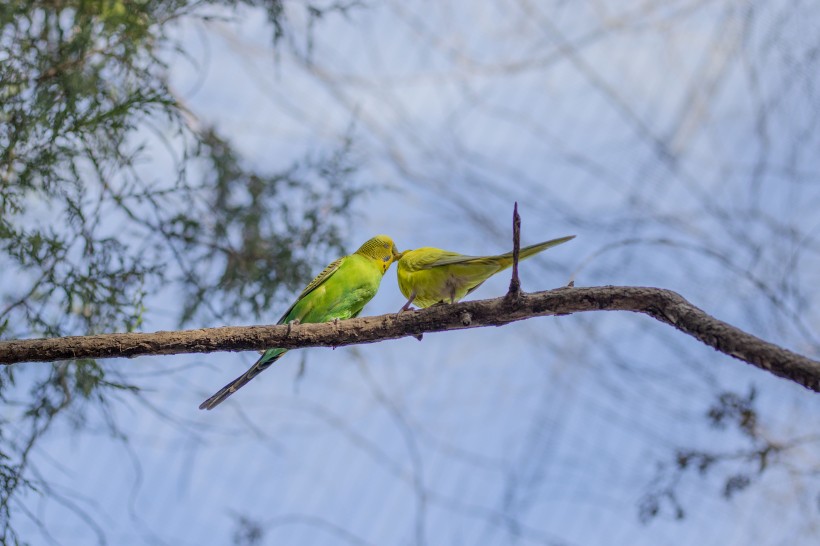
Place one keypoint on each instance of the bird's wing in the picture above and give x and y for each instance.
(452, 258)
(320, 279)
(429, 257)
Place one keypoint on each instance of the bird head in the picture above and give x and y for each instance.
(381, 249)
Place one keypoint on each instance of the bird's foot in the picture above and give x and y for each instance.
(404, 309)
(291, 323)
(407, 306)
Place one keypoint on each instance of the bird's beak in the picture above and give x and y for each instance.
(397, 255)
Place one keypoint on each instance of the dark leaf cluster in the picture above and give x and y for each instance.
(736, 467)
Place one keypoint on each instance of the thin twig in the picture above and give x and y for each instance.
(515, 283)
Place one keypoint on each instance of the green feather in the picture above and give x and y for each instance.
(340, 291)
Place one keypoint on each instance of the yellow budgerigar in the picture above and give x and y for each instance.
(428, 275)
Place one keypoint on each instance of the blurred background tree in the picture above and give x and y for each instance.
(111, 188)
(676, 138)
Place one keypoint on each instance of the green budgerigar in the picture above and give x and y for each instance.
(339, 292)
(428, 275)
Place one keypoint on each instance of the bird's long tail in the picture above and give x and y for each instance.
(269, 357)
(506, 260)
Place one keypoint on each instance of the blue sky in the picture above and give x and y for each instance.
(670, 133)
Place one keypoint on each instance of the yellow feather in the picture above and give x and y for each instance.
(428, 275)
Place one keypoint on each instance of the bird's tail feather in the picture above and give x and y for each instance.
(532, 250)
(262, 364)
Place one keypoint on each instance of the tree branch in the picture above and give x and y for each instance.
(663, 305)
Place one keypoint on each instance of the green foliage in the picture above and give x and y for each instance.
(264, 234)
(90, 227)
(80, 77)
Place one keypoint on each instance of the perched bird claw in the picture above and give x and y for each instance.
(407, 306)
(291, 323)
(404, 309)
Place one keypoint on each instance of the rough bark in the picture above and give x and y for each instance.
(663, 305)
